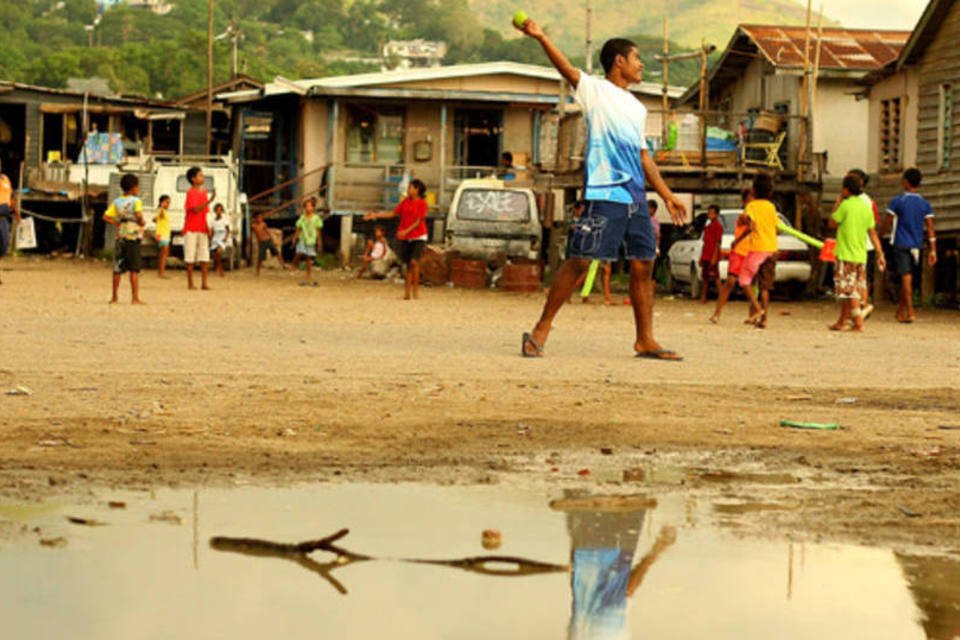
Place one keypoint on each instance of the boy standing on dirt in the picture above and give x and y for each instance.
(618, 165)
(761, 262)
(162, 220)
(854, 222)
(739, 249)
(219, 237)
(307, 236)
(196, 233)
(264, 242)
(710, 253)
(910, 215)
(126, 214)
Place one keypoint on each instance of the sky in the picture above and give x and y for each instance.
(880, 14)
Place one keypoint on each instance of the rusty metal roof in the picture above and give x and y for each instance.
(850, 49)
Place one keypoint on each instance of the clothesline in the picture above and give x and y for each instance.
(39, 216)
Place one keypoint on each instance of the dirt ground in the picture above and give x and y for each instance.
(262, 380)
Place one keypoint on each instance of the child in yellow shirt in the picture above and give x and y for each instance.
(761, 262)
(162, 220)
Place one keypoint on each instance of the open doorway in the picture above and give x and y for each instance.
(478, 137)
(12, 140)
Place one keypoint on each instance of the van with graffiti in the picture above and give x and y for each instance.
(489, 220)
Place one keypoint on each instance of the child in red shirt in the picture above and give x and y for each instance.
(710, 255)
(411, 232)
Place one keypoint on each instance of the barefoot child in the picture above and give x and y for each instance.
(126, 214)
(853, 221)
(307, 236)
(377, 256)
(411, 232)
(219, 234)
(761, 263)
(162, 222)
(910, 216)
(196, 238)
(264, 242)
(739, 249)
(710, 253)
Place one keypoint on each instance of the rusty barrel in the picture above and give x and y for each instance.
(469, 274)
(522, 276)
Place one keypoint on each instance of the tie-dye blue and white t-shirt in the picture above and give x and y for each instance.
(616, 121)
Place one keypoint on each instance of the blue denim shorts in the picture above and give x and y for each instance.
(604, 227)
(4, 235)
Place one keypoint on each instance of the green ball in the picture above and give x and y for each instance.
(520, 18)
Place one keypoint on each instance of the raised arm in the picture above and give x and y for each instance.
(677, 209)
(557, 59)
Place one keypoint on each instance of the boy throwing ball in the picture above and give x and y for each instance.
(618, 166)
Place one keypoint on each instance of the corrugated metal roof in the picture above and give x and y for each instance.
(132, 100)
(852, 49)
(402, 76)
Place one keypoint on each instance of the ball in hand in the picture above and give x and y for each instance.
(519, 19)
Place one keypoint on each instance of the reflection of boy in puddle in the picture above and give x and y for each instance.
(603, 540)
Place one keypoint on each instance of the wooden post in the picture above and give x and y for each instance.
(441, 189)
(704, 103)
(588, 49)
(803, 146)
(665, 100)
(209, 137)
(927, 279)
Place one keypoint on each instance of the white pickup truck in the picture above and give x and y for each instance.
(488, 219)
(168, 176)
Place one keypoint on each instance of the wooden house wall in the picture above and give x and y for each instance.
(939, 65)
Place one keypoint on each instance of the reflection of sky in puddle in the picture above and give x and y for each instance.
(135, 579)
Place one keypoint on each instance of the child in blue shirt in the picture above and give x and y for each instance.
(910, 216)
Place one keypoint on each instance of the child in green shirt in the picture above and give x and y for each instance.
(853, 220)
(307, 237)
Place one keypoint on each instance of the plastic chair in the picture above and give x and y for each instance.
(771, 150)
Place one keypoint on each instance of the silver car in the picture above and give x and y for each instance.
(793, 258)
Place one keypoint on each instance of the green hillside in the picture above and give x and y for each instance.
(46, 41)
(689, 20)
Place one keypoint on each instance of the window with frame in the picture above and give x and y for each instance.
(374, 134)
(945, 126)
(890, 128)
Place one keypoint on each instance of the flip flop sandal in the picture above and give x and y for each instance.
(528, 341)
(658, 354)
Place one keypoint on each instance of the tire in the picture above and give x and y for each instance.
(795, 290)
(695, 283)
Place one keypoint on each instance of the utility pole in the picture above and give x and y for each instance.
(589, 43)
(665, 98)
(235, 33)
(209, 137)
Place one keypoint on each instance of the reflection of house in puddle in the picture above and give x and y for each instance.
(935, 586)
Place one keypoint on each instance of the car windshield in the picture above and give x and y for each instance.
(493, 205)
(729, 221)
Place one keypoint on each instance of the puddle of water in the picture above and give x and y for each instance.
(687, 578)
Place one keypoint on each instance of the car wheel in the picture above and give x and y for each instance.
(695, 282)
(795, 289)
